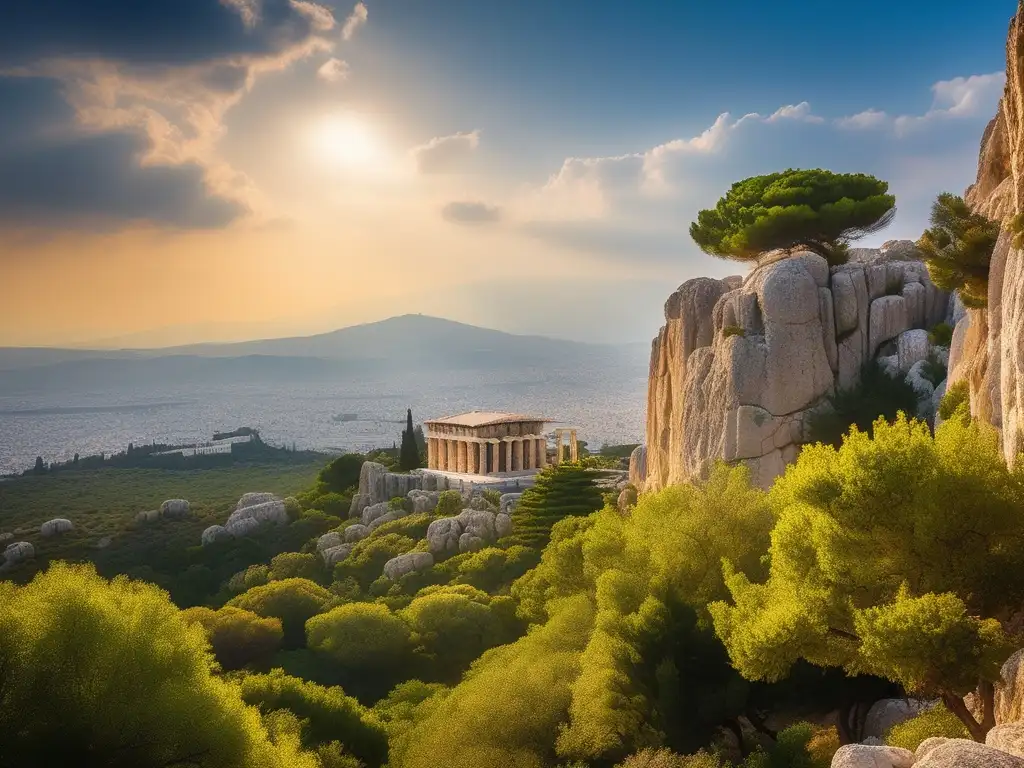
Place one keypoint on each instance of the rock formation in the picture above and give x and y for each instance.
(413, 562)
(18, 552)
(741, 362)
(55, 527)
(174, 509)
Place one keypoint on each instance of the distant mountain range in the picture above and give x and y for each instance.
(407, 343)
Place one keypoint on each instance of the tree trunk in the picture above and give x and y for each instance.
(955, 704)
(843, 725)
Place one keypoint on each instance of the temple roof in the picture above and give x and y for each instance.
(486, 419)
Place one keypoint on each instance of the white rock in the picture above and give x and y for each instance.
(886, 713)
(394, 514)
(148, 516)
(215, 533)
(470, 543)
(55, 527)
(868, 756)
(18, 552)
(252, 499)
(911, 347)
(423, 501)
(412, 562)
(963, 753)
(1009, 737)
(334, 555)
(887, 320)
(328, 540)
(175, 509)
(356, 533)
(637, 466)
(479, 523)
(502, 525)
(508, 503)
(374, 511)
(915, 295)
(262, 512)
(443, 536)
(242, 526)
(890, 364)
(916, 378)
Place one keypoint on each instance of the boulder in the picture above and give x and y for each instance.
(423, 501)
(328, 540)
(215, 533)
(1008, 737)
(922, 385)
(870, 756)
(502, 525)
(470, 543)
(638, 466)
(886, 713)
(105, 542)
(252, 499)
(443, 536)
(5, 537)
(356, 533)
(174, 509)
(627, 499)
(18, 552)
(962, 753)
(479, 523)
(887, 320)
(334, 555)
(374, 511)
(1009, 692)
(242, 526)
(148, 516)
(55, 527)
(508, 502)
(912, 347)
(272, 511)
(394, 514)
(412, 562)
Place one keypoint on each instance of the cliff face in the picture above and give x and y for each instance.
(991, 341)
(740, 364)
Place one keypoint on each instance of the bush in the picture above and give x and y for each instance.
(449, 504)
(334, 504)
(937, 721)
(876, 395)
(293, 601)
(733, 330)
(365, 562)
(295, 565)
(815, 210)
(934, 369)
(958, 248)
(342, 474)
(941, 335)
(238, 637)
(562, 490)
(956, 396)
(492, 496)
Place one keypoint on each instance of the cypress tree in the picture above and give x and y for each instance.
(409, 456)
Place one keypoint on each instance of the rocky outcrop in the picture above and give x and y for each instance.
(18, 552)
(412, 562)
(175, 509)
(868, 756)
(55, 527)
(740, 364)
(470, 530)
(638, 466)
(148, 516)
(214, 534)
(886, 713)
(962, 753)
(377, 485)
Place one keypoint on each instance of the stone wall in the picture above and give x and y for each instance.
(740, 363)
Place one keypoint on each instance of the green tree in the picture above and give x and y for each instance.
(893, 556)
(98, 673)
(292, 565)
(958, 248)
(293, 601)
(342, 474)
(815, 210)
(561, 490)
(327, 714)
(409, 456)
(238, 637)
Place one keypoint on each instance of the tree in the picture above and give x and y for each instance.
(98, 673)
(342, 474)
(296, 565)
(238, 637)
(893, 556)
(40, 466)
(409, 457)
(815, 210)
(958, 249)
(560, 490)
(293, 601)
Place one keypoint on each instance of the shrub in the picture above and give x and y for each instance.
(941, 335)
(295, 565)
(876, 395)
(293, 601)
(563, 490)
(238, 637)
(492, 496)
(733, 330)
(816, 210)
(958, 248)
(449, 504)
(937, 721)
(333, 503)
(934, 369)
(342, 474)
(956, 396)
(365, 562)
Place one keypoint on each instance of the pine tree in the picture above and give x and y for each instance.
(409, 456)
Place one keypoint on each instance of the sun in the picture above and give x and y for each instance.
(347, 141)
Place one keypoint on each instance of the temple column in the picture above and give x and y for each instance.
(574, 451)
(483, 459)
(449, 455)
(508, 454)
(527, 453)
(540, 448)
(517, 455)
(472, 455)
(493, 466)
(431, 453)
(460, 457)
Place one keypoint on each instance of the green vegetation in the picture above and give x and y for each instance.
(409, 457)
(733, 330)
(875, 570)
(238, 637)
(876, 394)
(958, 248)
(292, 601)
(814, 210)
(957, 398)
(937, 721)
(562, 490)
(941, 335)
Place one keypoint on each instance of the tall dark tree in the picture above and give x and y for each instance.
(409, 456)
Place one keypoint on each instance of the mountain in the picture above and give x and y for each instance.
(405, 344)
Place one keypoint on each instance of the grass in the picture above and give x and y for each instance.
(103, 503)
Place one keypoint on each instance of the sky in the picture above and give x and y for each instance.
(174, 171)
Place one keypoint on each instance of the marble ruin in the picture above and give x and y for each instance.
(490, 443)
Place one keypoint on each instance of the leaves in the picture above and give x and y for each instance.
(958, 248)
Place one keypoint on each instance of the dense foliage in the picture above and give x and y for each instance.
(238, 637)
(892, 556)
(409, 455)
(815, 210)
(561, 490)
(958, 248)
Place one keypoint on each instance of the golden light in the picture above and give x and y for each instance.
(348, 141)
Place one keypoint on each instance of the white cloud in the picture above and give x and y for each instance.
(470, 212)
(445, 153)
(355, 20)
(333, 71)
(869, 118)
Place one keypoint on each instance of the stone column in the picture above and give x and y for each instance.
(482, 465)
(460, 457)
(472, 455)
(527, 451)
(431, 453)
(574, 451)
(517, 455)
(449, 455)
(508, 454)
(540, 447)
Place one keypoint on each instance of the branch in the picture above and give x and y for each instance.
(842, 633)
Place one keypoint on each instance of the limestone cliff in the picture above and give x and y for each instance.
(740, 363)
(989, 343)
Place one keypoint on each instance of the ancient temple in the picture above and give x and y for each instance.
(487, 443)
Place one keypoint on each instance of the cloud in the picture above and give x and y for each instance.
(460, 212)
(355, 20)
(146, 86)
(446, 153)
(639, 204)
(333, 71)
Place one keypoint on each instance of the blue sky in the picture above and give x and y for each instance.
(360, 160)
